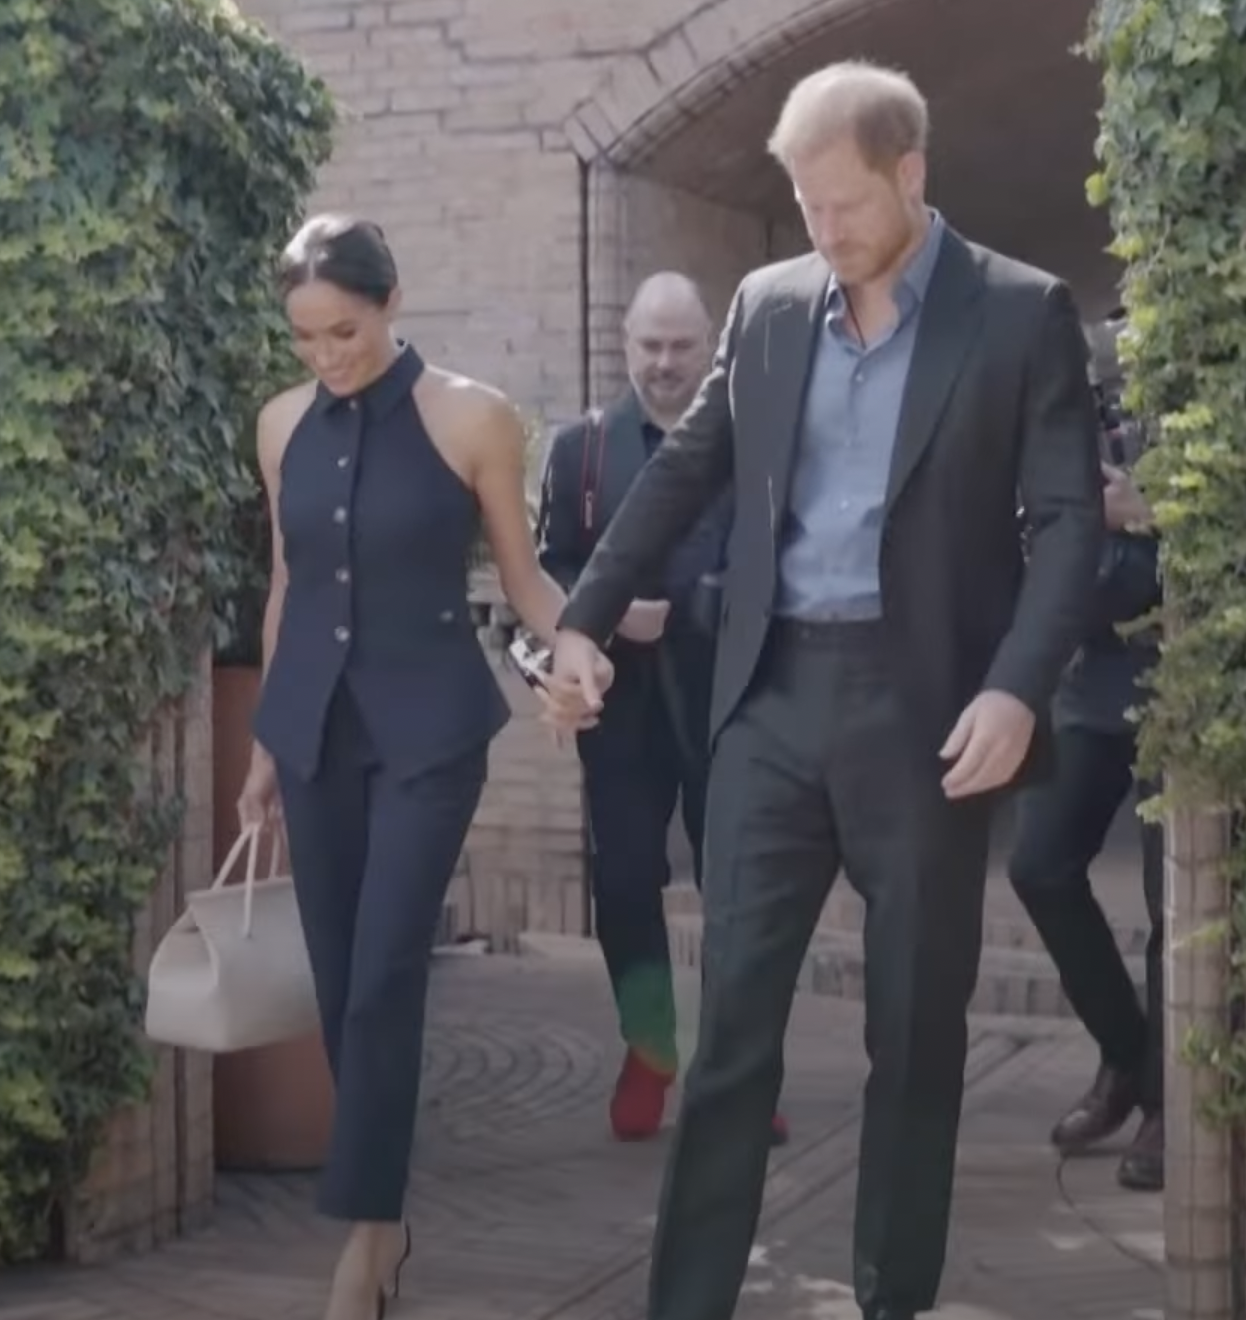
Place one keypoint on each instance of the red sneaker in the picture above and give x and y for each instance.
(780, 1135)
(639, 1099)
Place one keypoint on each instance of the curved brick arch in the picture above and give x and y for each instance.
(684, 72)
(633, 226)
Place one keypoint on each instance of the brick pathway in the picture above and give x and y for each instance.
(524, 1210)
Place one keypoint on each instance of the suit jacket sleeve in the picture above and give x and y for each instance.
(560, 535)
(674, 488)
(1061, 490)
(1128, 584)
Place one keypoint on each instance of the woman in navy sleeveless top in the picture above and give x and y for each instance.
(378, 704)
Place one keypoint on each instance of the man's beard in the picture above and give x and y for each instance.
(664, 406)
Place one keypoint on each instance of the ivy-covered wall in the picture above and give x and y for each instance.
(154, 155)
(1173, 153)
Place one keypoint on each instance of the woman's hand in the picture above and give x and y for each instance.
(260, 802)
(579, 679)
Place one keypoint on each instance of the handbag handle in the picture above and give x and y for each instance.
(248, 839)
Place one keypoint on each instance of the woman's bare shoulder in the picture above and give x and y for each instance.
(284, 410)
(277, 420)
(464, 394)
(466, 408)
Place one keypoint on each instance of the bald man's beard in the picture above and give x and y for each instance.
(666, 407)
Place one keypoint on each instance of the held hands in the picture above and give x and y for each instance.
(645, 621)
(575, 690)
(259, 804)
(988, 744)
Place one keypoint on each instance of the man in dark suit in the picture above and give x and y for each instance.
(885, 656)
(651, 747)
(1063, 823)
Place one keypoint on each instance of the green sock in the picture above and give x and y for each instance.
(645, 996)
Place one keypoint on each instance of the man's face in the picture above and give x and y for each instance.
(668, 355)
(859, 219)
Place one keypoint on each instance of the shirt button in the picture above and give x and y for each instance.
(843, 504)
(343, 575)
(342, 634)
(447, 616)
(339, 515)
(344, 461)
(353, 404)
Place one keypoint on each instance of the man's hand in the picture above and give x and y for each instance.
(645, 621)
(987, 745)
(1123, 505)
(574, 692)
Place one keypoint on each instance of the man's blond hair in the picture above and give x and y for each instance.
(879, 109)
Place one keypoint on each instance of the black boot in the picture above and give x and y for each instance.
(1099, 1114)
(1142, 1165)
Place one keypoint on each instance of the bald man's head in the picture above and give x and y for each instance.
(668, 339)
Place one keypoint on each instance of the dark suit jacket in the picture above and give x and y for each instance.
(1103, 682)
(997, 410)
(563, 543)
(565, 546)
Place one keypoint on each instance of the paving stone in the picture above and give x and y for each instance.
(524, 1208)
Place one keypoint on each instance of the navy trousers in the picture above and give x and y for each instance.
(372, 858)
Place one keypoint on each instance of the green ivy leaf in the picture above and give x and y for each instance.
(1171, 141)
(155, 156)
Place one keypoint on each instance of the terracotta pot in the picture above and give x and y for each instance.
(273, 1106)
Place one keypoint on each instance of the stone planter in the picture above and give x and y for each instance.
(1198, 1212)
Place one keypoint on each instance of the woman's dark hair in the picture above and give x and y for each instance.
(344, 251)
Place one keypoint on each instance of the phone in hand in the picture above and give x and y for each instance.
(533, 663)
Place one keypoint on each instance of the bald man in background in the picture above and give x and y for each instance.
(651, 749)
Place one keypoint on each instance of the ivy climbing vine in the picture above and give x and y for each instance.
(1172, 149)
(153, 157)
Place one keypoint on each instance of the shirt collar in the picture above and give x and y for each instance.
(915, 277)
(384, 394)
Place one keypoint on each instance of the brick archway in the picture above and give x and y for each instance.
(681, 77)
(672, 142)
(689, 69)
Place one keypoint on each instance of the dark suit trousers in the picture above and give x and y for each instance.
(372, 857)
(1061, 828)
(819, 769)
(648, 753)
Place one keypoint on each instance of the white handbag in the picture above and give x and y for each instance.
(232, 972)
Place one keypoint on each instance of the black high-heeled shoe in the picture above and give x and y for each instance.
(385, 1295)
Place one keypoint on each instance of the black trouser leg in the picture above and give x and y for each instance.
(1061, 828)
(631, 782)
(370, 930)
(692, 654)
(919, 862)
(770, 858)
(816, 764)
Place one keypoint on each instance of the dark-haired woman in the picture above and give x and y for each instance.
(378, 703)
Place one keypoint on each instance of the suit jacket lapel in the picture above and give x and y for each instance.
(948, 323)
(793, 320)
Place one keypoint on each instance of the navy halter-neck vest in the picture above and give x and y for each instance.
(377, 531)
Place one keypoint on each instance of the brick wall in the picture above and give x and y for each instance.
(457, 142)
